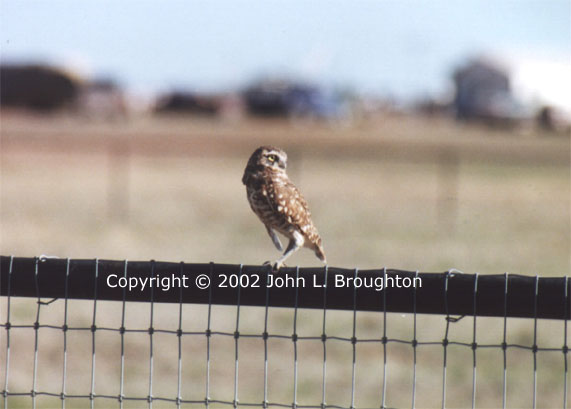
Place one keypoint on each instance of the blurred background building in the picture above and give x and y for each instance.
(491, 70)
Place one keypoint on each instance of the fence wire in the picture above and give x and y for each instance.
(559, 294)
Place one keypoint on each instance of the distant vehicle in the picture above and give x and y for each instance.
(181, 102)
(37, 87)
(290, 99)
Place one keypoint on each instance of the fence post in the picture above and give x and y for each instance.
(448, 175)
(118, 166)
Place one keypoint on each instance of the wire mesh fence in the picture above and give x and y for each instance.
(209, 335)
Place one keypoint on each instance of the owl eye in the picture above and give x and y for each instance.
(272, 158)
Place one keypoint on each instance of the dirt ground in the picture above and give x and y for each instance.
(396, 191)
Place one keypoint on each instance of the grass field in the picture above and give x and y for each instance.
(401, 192)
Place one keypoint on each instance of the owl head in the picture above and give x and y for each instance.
(265, 157)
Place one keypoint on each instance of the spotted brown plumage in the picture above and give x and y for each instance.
(279, 204)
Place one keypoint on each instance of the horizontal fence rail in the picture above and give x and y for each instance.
(350, 363)
(446, 293)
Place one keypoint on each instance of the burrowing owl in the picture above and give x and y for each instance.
(279, 204)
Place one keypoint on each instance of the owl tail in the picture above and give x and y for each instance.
(320, 253)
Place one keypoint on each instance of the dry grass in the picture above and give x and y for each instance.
(382, 194)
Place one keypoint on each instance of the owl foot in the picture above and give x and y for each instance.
(275, 266)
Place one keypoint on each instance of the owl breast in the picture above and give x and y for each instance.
(264, 201)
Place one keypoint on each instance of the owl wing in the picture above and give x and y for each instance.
(289, 202)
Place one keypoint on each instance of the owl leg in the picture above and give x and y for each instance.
(274, 238)
(295, 243)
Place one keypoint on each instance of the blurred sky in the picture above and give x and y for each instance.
(401, 48)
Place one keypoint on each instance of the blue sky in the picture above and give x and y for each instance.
(404, 48)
